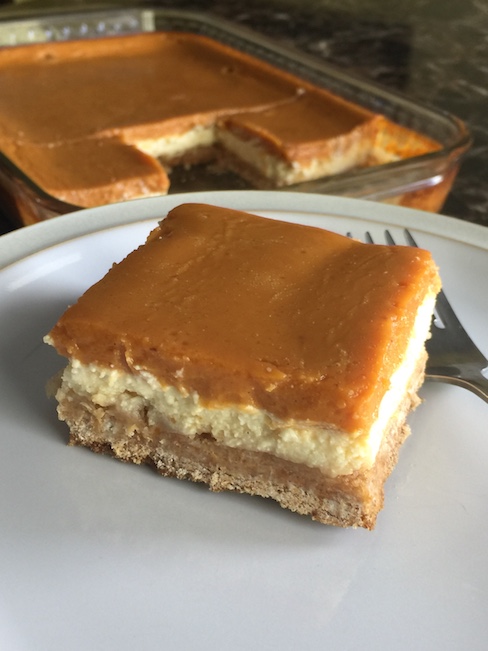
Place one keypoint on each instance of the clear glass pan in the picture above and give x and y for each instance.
(421, 181)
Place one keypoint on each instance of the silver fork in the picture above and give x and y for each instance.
(453, 356)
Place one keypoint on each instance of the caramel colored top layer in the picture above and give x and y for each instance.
(243, 309)
(109, 171)
(138, 85)
(302, 129)
(139, 88)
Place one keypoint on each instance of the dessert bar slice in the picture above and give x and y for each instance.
(316, 135)
(91, 172)
(254, 355)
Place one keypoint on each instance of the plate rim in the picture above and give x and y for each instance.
(311, 550)
(28, 240)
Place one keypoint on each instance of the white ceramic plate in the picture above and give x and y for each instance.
(96, 554)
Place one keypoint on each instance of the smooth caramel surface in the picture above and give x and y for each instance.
(91, 172)
(296, 320)
(132, 84)
(144, 88)
(299, 129)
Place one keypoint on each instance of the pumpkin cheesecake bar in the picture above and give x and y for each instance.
(254, 355)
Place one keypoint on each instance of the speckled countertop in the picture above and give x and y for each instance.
(435, 51)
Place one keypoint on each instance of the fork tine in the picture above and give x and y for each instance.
(443, 307)
(445, 312)
(409, 238)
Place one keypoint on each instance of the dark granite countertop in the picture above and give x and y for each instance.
(435, 51)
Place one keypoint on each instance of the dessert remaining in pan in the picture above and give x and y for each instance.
(188, 92)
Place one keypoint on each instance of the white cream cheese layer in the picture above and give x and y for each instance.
(315, 445)
(180, 143)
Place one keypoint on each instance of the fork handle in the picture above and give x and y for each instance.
(477, 384)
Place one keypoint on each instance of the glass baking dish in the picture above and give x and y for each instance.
(420, 181)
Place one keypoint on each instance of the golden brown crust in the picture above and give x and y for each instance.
(352, 500)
